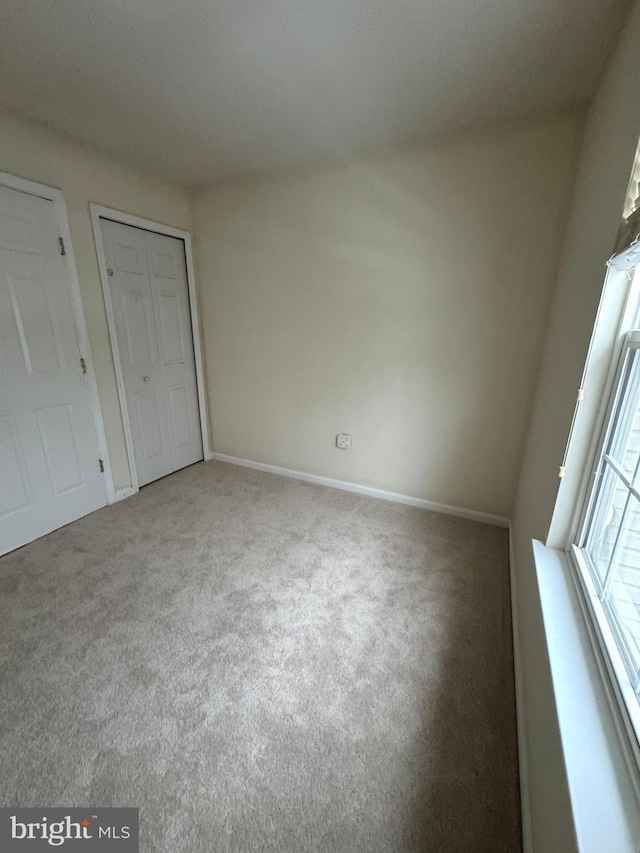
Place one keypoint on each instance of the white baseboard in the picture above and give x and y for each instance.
(381, 494)
(121, 494)
(523, 761)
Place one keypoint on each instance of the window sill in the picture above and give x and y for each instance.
(604, 801)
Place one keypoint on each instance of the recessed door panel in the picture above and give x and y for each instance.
(15, 493)
(128, 258)
(172, 343)
(60, 447)
(179, 408)
(17, 233)
(35, 325)
(148, 406)
(137, 313)
(163, 265)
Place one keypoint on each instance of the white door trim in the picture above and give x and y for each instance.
(62, 220)
(97, 212)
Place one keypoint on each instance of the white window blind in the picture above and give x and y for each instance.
(632, 201)
(627, 250)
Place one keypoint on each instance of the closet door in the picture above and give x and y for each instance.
(150, 298)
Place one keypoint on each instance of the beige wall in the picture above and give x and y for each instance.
(401, 299)
(610, 140)
(84, 175)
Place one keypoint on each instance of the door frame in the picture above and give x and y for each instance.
(99, 212)
(62, 220)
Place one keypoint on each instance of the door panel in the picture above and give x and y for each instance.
(179, 408)
(163, 264)
(129, 258)
(150, 297)
(60, 445)
(16, 491)
(49, 457)
(34, 321)
(137, 313)
(148, 407)
(171, 328)
(17, 232)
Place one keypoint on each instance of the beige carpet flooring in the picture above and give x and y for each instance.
(263, 665)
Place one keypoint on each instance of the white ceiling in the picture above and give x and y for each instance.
(202, 90)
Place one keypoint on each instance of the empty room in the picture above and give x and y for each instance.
(320, 426)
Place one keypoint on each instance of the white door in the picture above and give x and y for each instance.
(49, 458)
(150, 298)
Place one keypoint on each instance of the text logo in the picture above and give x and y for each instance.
(87, 830)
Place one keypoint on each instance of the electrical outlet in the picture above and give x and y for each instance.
(343, 440)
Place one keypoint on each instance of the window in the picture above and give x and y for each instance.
(607, 549)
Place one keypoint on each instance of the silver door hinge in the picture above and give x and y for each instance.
(101, 464)
(63, 251)
(83, 365)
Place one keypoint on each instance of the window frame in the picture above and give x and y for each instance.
(602, 630)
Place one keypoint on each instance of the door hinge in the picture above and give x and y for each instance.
(83, 365)
(63, 251)
(101, 464)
